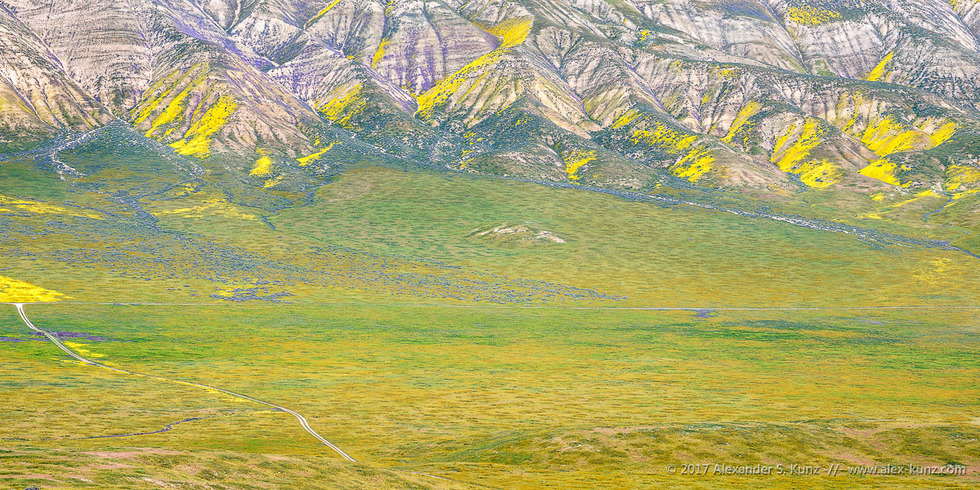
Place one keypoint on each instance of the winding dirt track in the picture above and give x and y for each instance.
(300, 418)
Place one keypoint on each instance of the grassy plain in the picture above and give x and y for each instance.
(516, 397)
(379, 234)
(654, 256)
(390, 345)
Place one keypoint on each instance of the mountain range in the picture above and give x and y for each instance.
(879, 97)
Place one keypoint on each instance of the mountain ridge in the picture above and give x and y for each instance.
(860, 96)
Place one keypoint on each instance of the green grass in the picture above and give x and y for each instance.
(643, 253)
(17, 178)
(386, 348)
(655, 256)
(534, 397)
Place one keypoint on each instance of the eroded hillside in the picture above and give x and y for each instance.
(869, 96)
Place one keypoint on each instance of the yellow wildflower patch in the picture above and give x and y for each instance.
(14, 205)
(150, 108)
(878, 197)
(209, 207)
(794, 153)
(792, 157)
(879, 72)
(153, 103)
(379, 54)
(474, 73)
(627, 117)
(811, 16)
(576, 160)
(959, 175)
(14, 291)
(664, 137)
(82, 349)
(176, 107)
(846, 110)
(943, 133)
(343, 104)
(694, 165)
(888, 136)
(197, 140)
(696, 160)
(884, 170)
(783, 140)
(961, 195)
(263, 165)
(818, 174)
(304, 161)
(729, 73)
(272, 182)
(936, 273)
(742, 122)
(512, 32)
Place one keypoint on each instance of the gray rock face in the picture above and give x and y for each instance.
(37, 97)
(742, 29)
(424, 42)
(102, 45)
